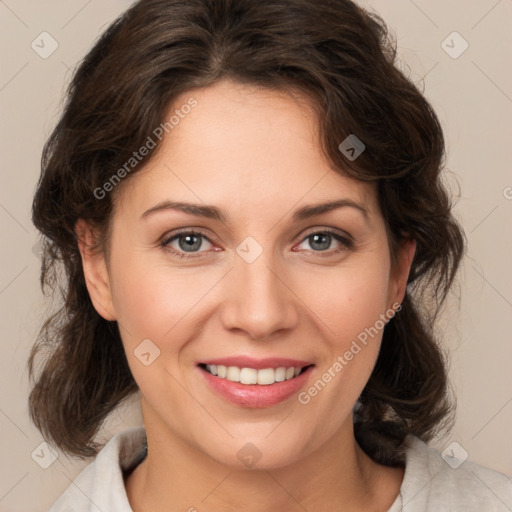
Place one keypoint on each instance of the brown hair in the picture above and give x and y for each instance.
(339, 56)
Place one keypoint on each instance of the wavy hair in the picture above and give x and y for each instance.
(342, 58)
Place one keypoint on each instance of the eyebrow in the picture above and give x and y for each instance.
(212, 212)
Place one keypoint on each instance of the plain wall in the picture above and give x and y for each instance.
(472, 95)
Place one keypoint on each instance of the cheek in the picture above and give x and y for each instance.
(154, 301)
(147, 302)
(349, 303)
(349, 299)
(151, 307)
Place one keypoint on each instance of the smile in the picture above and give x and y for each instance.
(255, 383)
(248, 376)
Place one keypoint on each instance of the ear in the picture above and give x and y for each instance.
(400, 272)
(95, 270)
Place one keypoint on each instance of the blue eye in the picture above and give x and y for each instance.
(187, 242)
(192, 244)
(321, 241)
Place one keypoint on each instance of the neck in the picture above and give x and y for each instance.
(175, 476)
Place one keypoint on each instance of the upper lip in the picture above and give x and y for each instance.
(257, 364)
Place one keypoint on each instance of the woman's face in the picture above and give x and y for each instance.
(268, 279)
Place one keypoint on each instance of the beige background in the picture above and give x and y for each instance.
(473, 97)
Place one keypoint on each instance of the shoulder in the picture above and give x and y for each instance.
(100, 485)
(437, 482)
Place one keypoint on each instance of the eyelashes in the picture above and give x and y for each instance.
(192, 239)
(327, 236)
(187, 239)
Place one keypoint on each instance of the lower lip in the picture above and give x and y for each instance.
(254, 395)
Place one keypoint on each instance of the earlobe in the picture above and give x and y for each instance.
(95, 271)
(400, 274)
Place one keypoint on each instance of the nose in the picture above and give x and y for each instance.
(258, 301)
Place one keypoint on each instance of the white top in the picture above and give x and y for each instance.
(430, 483)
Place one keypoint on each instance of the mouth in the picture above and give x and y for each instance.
(250, 376)
(255, 383)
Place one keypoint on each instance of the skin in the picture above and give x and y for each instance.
(255, 154)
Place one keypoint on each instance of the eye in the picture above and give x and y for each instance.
(322, 241)
(187, 242)
(193, 244)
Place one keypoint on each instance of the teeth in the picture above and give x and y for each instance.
(263, 377)
(233, 373)
(280, 374)
(249, 376)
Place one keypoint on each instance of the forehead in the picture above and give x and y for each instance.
(244, 148)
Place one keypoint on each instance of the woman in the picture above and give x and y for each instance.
(246, 200)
